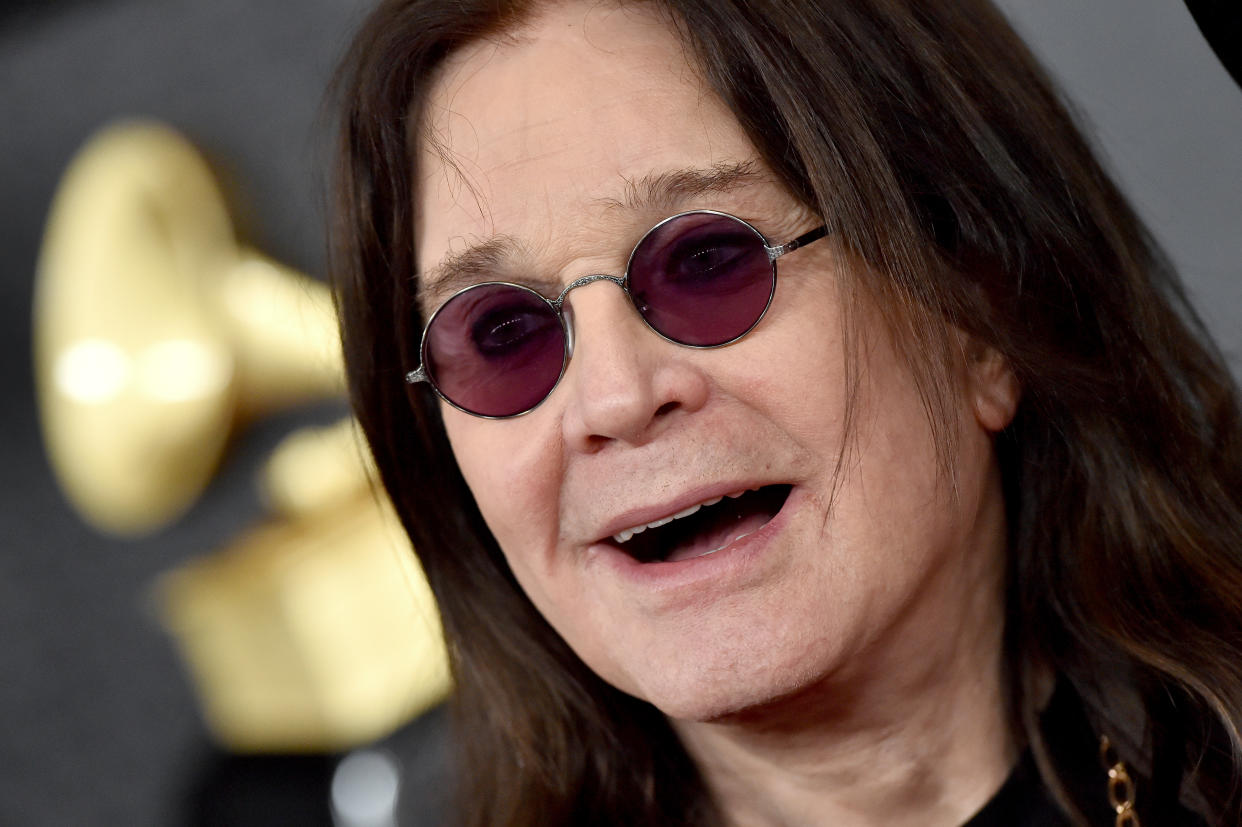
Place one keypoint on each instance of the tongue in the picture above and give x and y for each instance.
(718, 536)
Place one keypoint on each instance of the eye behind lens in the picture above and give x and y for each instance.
(705, 263)
(504, 333)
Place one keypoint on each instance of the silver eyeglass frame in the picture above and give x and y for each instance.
(419, 374)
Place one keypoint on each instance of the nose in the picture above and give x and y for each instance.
(624, 381)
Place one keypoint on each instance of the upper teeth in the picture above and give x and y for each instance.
(626, 534)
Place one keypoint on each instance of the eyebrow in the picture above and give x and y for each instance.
(666, 191)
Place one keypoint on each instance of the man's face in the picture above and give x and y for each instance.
(562, 147)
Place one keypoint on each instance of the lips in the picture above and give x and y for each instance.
(703, 528)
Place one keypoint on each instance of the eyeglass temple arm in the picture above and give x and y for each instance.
(417, 375)
(801, 241)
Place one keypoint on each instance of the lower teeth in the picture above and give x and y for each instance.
(726, 545)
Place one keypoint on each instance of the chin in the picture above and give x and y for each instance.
(732, 703)
(735, 683)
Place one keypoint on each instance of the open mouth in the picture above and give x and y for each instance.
(705, 528)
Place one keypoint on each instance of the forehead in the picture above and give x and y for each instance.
(539, 140)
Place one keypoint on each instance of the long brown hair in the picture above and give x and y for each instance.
(931, 141)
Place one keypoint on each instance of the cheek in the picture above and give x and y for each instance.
(800, 378)
(515, 479)
(512, 473)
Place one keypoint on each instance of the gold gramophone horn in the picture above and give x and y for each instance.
(155, 331)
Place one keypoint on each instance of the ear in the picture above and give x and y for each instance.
(992, 387)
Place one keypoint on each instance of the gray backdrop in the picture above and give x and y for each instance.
(97, 723)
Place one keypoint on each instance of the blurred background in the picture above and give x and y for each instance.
(100, 719)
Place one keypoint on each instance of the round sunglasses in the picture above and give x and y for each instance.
(701, 279)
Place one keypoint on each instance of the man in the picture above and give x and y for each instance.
(713, 544)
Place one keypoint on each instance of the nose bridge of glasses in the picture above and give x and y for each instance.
(582, 282)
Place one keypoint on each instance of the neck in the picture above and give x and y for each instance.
(920, 736)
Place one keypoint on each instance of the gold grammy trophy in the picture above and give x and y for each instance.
(156, 336)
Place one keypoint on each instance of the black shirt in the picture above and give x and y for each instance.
(1024, 800)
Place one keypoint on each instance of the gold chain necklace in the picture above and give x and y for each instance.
(1120, 785)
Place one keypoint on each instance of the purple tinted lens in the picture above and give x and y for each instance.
(702, 279)
(495, 349)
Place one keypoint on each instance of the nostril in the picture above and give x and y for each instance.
(667, 407)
